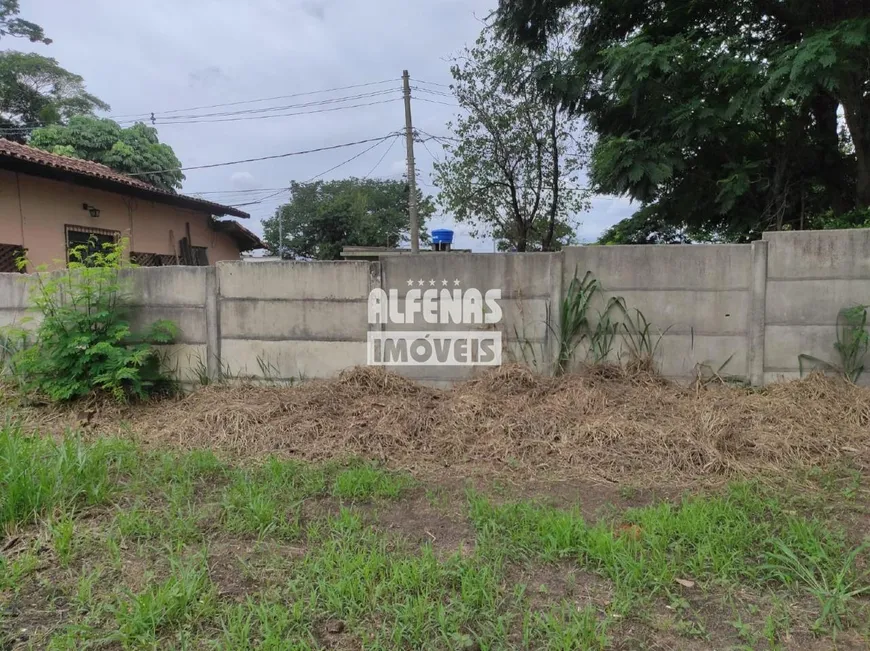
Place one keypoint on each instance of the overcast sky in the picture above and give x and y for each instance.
(163, 55)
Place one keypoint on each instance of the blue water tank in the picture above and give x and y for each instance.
(442, 236)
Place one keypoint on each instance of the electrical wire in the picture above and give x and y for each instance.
(435, 101)
(352, 158)
(280, 115)
(170, 115)
(261, 99)
(381, 159)
(430, 83)
(334, 167)
(426, 147)
(234, 191)
(262, 158)
(267, 109)
(431, 92)
(439, 138)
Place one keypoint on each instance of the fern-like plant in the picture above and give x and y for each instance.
(83, 343)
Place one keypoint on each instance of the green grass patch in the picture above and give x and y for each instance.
(364, 482)
(193, 552)
(38, 474)
(182, 600)
(743, 536)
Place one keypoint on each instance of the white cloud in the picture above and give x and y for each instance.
(164, 54)
(243, 181)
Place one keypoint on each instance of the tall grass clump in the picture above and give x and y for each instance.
(38, 474)
(573, 326)
(83, 342)
(852, 345)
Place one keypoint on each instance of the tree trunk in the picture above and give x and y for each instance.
(857, 112)
(547, 244)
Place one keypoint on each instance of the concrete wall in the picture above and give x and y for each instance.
(527, 282)
(35, 212)
(697, 299)
(293, 320)
(748, 310)
(810, 277)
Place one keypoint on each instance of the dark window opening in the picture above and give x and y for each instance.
(9, 256)
(200, 255)
(195, 256)
(152, 259)
(86, 241)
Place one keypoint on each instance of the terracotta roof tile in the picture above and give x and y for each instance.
(90, 169)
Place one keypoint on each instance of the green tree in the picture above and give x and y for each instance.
(721, 119)
(511, 169)
(325, 216)
(644, 227)
(35, 90)
(132, 150)
(11, 25)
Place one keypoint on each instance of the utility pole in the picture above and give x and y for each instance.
(412, 170)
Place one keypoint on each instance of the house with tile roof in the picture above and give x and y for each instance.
(51, 203)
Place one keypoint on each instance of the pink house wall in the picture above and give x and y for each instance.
(34, 212)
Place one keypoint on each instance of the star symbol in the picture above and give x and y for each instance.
(456, 282)
(410, 283)
(431, 283)
(420, 282)
(444, 282)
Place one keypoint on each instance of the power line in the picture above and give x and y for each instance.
(317, 176)
(438, 138)
(381, 159)
(268, 109)
(365, 151)
(253, 203)
(171, 119)
(262, 158)
(435, 101)
(426, 147)
(432, 92)
(281, 115)
(431, 83)
(235, 191)
(261, 99)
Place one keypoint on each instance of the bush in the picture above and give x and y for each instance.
(83, 342)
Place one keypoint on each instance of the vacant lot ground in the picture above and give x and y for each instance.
(291, 532)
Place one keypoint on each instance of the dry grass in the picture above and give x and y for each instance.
(601, 423)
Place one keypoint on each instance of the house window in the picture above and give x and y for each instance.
(200, 255)
(9, 255)
(152, 259)
(92, 239)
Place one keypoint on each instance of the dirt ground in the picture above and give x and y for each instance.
(602, 424)
(600, 447)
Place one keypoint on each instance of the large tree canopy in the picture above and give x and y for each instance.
(511, 170)
(36, 91)
(720, 118)
(323, 217)
(134, 150)
(11, 25)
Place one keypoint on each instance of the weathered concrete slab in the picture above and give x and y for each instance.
(294, 280)
(276, 320)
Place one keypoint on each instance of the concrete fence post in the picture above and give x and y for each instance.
(554, 310)
(212, 324)
(757, 310)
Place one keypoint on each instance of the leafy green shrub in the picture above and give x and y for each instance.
(83, 342)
